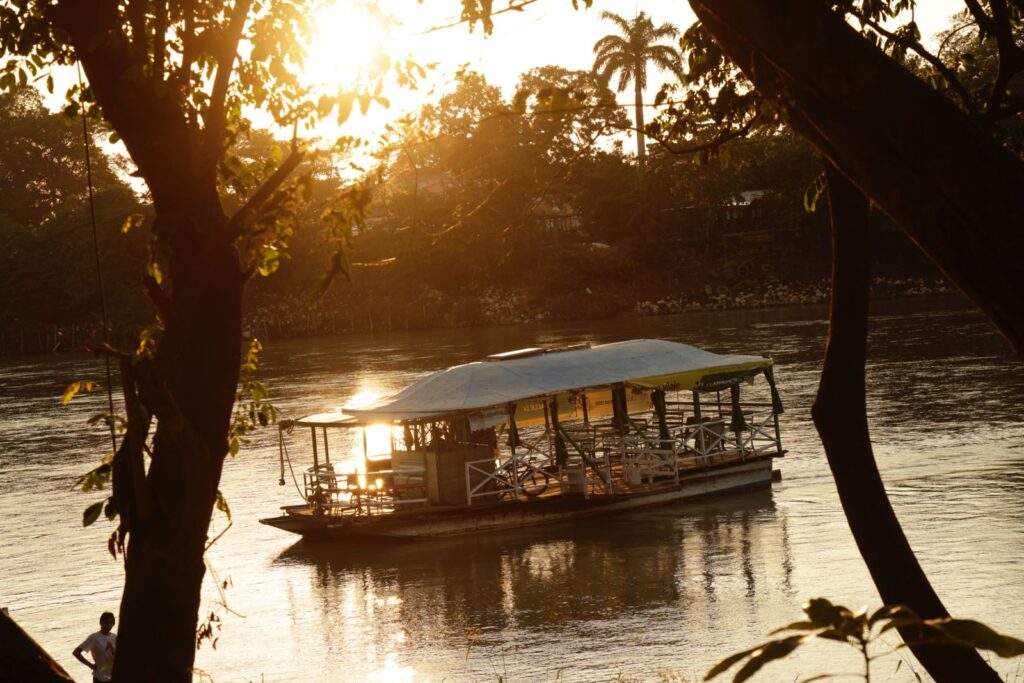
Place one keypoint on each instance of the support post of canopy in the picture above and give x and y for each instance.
(738, 424)
(777, 408)
(698, 436)
(316, 462)
(366, 446)
(513, 429)
(561, 454)
(658, 400)
(327, 452)
(620, 409)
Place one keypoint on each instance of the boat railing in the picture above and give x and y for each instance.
(517, 476)
(701, 442)
(364, 493)
(760, 436)
(655, 460)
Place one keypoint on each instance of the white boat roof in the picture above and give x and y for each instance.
(532, 373)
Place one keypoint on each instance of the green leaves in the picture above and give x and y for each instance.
(132, 222)
(74, 388)
(970, 633)
(97, 478)
(252, 409)
(861, 631)
(222, 504)
(92, 513)
(814, 192)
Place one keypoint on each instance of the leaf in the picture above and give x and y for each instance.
(72, 390)
(222, 504)
(132, 222)
(92, 513)
(777, 649)
(813, 193)
(890, 611)
(971, 633)
(726, 663)
(233, 446)
(823, 613)
(797, 626)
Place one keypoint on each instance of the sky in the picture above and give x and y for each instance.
(546, 32)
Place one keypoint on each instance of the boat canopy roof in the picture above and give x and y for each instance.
(533, 373)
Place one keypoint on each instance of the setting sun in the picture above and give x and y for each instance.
(348, 44)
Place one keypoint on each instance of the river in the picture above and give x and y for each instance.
(650, 596)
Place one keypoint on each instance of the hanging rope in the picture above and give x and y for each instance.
(96, 253)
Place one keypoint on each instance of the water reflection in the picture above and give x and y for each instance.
(685, 557)
(667, 589)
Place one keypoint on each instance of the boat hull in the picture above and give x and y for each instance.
(440, 523)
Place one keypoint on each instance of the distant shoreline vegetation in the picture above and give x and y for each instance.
(488, 308)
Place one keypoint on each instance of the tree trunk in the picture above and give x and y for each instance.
(840, 414)
(946, 182)
(191, 390)
(641, 145)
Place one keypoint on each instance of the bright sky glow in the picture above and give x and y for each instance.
(354, 37)
(349, 42)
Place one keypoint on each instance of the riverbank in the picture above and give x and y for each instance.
(434, 310)
(494, 306)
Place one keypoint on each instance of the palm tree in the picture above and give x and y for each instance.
(628, 55)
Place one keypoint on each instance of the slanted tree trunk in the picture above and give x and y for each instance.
(947, 183)
(840, 414)
(952, 188)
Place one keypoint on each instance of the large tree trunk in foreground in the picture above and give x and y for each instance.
(191, 391)
(949, 184)
(191, 383)
(22, 660)
(840, 414)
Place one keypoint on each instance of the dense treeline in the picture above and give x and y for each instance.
(486, 209)
(48, 290)
(492, 209)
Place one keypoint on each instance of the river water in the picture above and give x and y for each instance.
(655, 595)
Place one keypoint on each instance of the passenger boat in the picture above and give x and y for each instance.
(538, 436)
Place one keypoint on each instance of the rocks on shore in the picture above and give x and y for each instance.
(723, 298)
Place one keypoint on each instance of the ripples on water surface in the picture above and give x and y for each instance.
(667, 590)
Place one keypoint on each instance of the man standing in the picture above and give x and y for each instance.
(101, 645)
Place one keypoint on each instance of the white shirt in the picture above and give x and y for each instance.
(102, 647)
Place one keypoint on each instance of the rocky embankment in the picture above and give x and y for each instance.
(779, 294)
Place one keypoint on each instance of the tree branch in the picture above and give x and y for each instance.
(136, 13)
(159, 39)
(1011, 57)
(985, 22)
(917, 47)
(156, 141)
(216, 117)
(715, 143)
(242, 218)
(159, 297)
(878, 123)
